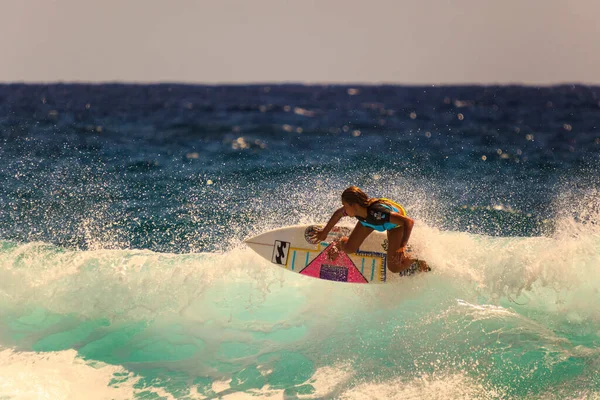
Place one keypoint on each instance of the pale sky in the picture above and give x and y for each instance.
(254, 41)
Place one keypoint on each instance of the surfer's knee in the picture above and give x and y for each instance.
(344, 245)
(348, 248)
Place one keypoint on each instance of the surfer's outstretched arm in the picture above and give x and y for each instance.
(321, 234)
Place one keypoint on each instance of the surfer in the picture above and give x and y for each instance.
(374, 214)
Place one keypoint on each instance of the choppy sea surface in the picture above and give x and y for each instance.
(123, 273)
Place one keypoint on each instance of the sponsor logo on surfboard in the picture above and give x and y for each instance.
(308, 232)
(280, 252)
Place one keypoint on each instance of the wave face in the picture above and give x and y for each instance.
(123, 272)
(510, 317)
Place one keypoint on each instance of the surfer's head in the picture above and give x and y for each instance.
(354, 199)
(353, 195)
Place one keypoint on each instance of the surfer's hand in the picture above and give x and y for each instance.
(318, 235)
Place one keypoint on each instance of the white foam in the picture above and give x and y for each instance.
(60, 375)
(557, 274)
(551, 274)
(126, 284)
(328, 380)
(435, 387)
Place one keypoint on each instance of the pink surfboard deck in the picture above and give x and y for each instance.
(342, 269)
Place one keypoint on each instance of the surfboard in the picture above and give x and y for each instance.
(291, 248)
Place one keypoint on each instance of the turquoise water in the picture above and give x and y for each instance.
(510, 319)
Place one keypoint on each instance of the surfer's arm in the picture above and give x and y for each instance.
(405, 222)
(321, 234)
(335, 218)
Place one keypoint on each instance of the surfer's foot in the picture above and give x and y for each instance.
(423, 267)
(414, 267)
(335, 249)
(333, 253)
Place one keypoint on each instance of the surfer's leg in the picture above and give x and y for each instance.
(358, 235)
(396, 262)
(351, 244)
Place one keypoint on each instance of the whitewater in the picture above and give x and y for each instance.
(497, 318)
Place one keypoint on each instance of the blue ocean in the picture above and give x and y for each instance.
(124, 209)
